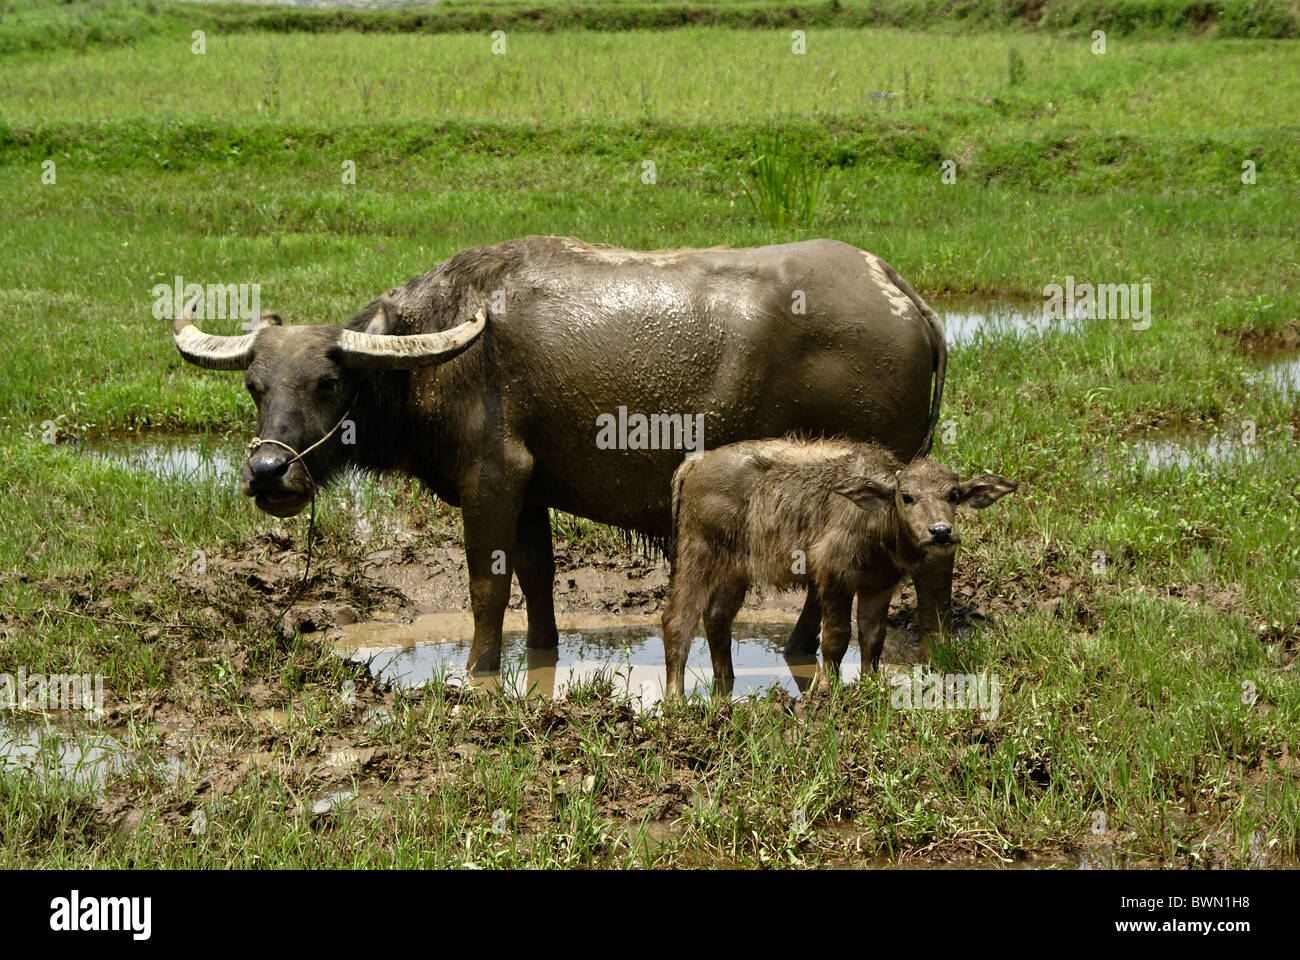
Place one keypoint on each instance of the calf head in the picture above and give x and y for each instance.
(305, 381)
(924, 497)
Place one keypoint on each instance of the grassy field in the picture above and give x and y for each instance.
(1122, 687)
(80, 24)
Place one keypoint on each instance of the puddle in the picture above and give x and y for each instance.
(182, 457)
(627, 650)
(1185, 449)
(47, 752)
(1280, 374)
(967, 323)
(84, 759)
(213, 459)
(79, 756)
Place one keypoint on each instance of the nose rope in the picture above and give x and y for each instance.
(258, 441)
(311, 523)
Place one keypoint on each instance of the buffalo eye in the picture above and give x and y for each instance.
(953, 495)
(907, 498)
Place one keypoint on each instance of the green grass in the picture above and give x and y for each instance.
(1184, 87)
(82, 24)
(1122, 698)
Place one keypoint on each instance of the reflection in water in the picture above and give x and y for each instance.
(626, 652)
(201, 457)
(1217, 453)
(966, 324)
(49, 753)
(186, 457)
(1282, 376)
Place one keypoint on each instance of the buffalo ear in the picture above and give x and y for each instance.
(869, 493)
(982, 491)
(381, 324)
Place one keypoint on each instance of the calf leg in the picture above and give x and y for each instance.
(687, 595)
(837, 631)
(803, 638)
(726, 600)
(873, 609)
(535, 570)
(933, 580)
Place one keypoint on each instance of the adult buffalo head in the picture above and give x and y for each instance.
(306, 380)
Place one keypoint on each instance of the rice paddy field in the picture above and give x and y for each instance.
(1136, 598)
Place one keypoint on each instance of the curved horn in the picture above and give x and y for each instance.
(395, 352)
(208, 350)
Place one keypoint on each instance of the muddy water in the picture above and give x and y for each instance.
(215, 460)
(64, 752)
(181, 456)
(967, 323)
(1281, 374)
(196, 456)
(627, 650)
(51, 753)
(1189, 448)
(1186, 449)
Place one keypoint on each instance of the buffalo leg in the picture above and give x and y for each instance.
(491, 498)
(535, 571)
(933, 580)
(873, 610)
(718, 616)
(803, 638)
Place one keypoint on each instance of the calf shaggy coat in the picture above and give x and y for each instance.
(848, 517)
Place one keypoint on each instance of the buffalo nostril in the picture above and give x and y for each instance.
(265, 469)
(941, 532)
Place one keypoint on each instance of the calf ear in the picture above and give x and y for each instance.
(980, 492)
(867, 492)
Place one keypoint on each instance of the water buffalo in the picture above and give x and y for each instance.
(547, 372)
(850, 518)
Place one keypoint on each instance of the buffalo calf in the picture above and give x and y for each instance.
(848, 518)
